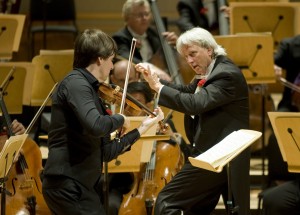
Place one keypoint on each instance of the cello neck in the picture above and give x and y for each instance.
(167, 50)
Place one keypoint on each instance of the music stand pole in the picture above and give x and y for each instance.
(4, 192)
(230, 208)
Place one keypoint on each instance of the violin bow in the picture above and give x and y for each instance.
(132, 48)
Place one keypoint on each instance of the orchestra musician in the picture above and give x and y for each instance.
(282, 195)
(138, 18)
(216, 107)
(79, 135)
(200, 13)
(16, 127)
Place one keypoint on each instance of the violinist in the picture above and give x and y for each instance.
(284, 192)
(137, 17)
(215, 104)
(79, 139)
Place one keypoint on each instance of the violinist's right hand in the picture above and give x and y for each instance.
(151, 120)
(126, 124)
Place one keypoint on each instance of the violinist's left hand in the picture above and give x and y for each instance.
(149, 76)
(171, 37)
(151, 120)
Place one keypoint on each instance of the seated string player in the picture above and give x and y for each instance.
(120, 184)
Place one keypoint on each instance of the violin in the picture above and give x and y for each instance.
(113, 95)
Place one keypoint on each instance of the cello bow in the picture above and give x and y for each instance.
(167, 50)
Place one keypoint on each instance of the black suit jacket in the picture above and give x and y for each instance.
(221, 107)
(288, 57)
(123, 39)
(190, 15)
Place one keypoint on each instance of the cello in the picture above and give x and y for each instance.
(23, 183)
(166, 160)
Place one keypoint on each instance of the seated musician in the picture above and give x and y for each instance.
(137, 17)
(16, 127)
(121, 183)
(283, 197)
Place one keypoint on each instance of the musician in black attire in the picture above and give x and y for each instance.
(138, 17)
(284, 197)
(199, 13)
(79, 134)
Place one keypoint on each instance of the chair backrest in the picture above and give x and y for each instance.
(11, 28)
(50, 67)
(52, 10)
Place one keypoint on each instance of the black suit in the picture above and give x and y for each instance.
(79, 142)
(123, 39)
(190, 15)
(288, 58)
(220, 108)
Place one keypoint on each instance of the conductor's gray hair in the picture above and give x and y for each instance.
(201, 37)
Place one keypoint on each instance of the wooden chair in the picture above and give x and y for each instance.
(11, 27)
(55, 16)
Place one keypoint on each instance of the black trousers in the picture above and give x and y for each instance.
(193, 190)
(197, 191)
(66, 196)
(282, 199)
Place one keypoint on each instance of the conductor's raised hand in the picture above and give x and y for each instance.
(149, 76)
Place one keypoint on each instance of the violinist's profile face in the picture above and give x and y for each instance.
(105, 66)
(139, 19)
(197, 57)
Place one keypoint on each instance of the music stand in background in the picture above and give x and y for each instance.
(253, 54)
(50, 68)
(278, 18)
(11, 28)
(18, 91)
(286, 126)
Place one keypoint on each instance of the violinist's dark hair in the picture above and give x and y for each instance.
(91, 44)
(140, 87)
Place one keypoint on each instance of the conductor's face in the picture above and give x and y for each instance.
(197, 57)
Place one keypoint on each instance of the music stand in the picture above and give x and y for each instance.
(277, 18)
(17, 92)
(11, 28)
(286, 129)
(253, 54)
(140, 152)
(8, 155)
(50, 68)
